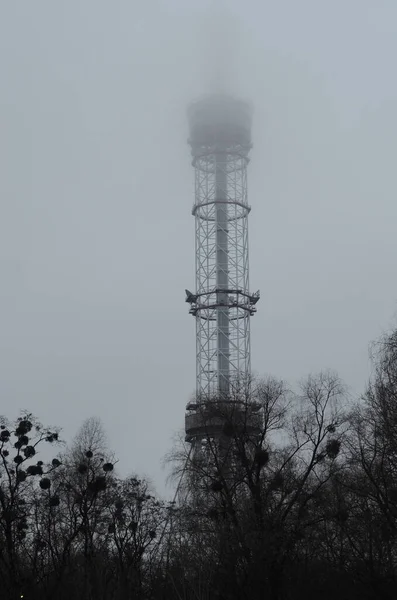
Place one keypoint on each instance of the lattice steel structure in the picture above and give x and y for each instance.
(220, 140)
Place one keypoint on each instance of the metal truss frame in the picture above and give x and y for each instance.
(222, 304)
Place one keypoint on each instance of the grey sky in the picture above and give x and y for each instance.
(96, 189)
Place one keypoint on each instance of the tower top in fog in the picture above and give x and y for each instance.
(220, 119)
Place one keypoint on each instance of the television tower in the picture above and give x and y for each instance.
(220, 140)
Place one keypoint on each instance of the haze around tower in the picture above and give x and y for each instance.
(96, 187)
(221, 45)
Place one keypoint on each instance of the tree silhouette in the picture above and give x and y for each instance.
(295, 496)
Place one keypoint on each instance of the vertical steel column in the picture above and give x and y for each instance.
(222, 271)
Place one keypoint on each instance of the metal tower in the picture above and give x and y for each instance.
(220, 140)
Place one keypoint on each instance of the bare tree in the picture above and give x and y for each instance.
(259, 506)
(21, 476)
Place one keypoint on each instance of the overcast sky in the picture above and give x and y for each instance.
(96, 190)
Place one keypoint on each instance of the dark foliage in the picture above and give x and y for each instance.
(304, 508)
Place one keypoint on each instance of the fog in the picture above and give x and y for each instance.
(96, 190)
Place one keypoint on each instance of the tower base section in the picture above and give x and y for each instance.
(219, 418)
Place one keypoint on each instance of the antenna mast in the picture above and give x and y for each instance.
(220, 140)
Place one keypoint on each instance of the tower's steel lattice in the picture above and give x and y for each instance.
(220, 140)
